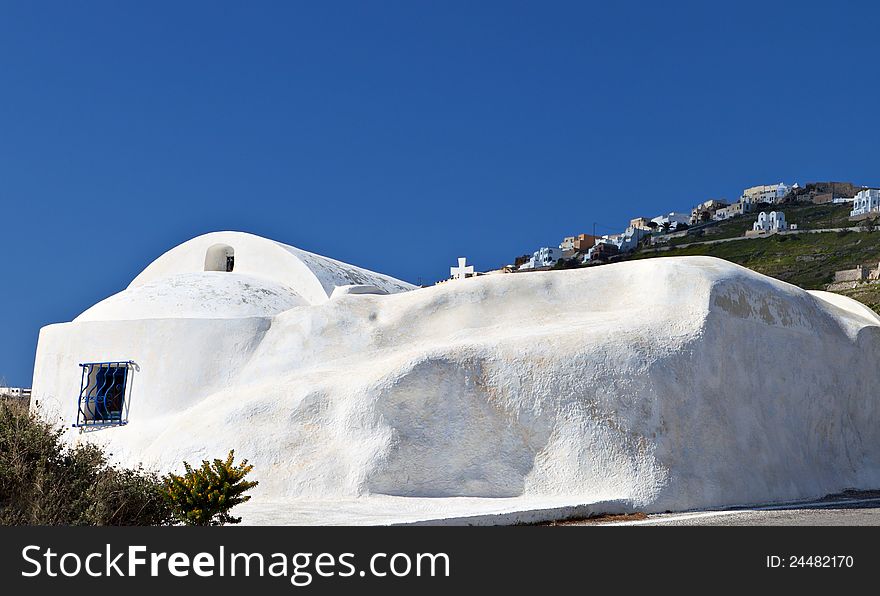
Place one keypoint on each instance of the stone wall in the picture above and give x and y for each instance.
(858, 274)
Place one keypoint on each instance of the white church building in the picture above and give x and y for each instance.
(770, 223)
(511, 398)
(182, 328)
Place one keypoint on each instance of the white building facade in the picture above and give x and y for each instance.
(741, 207)
(673, 218)
(546, 256)
(767, 193)
(567, 244)
(866, 201)
(706, 210)
(182, 327)
(630, 239)
(625, 242)
(19, 392)
(772, 222)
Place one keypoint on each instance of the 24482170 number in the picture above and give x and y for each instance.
(820, 561)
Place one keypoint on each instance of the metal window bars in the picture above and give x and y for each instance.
(104, 393)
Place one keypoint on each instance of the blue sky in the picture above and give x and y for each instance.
(398, 135)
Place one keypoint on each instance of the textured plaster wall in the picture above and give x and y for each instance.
(674, 383)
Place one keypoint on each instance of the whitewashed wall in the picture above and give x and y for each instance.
(673, 383)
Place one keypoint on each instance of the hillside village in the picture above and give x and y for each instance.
(831, 229)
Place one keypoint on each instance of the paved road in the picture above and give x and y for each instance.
(663, 248)
(850, 509)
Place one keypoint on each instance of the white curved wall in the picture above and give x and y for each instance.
(311, 276)
(179, 362)
(672, 383)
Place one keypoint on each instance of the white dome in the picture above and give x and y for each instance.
(314, 277)
(204, 295)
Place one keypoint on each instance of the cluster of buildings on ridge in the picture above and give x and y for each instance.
(719, 210)
(585, 248)
(865, 202)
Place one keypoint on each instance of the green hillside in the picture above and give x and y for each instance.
(807, 217)
(806, 260)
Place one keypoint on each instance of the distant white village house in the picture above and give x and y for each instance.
(767, 193)
(546, 256)
(752, 196)
(640, 223)
(706, 210)
(625, 242)
(743, 206)
(18, 392)
(866, 201)
(769, 223)
(673, 219)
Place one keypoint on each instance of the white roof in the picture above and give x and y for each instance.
(312, 276)
(268, 277)
(202, 295)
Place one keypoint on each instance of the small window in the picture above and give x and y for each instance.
(104, 394)
(220, 257)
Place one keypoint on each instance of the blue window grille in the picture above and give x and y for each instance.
(104, 394)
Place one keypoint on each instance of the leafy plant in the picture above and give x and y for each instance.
(204, 496)
(43, 482)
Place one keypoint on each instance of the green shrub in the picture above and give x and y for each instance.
(128, 497)
(203, 496)
(42, 482)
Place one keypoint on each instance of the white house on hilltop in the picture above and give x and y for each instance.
(673, 219)
(741, 207)
(625, 242)
(706, 211)
(866, 201)
(774, 222)
(546, 256)
(16, 392)
(767, 193)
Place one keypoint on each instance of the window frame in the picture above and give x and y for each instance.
(93, 398)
